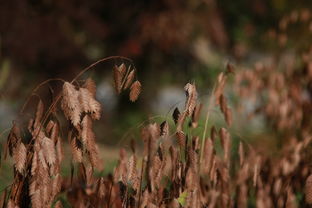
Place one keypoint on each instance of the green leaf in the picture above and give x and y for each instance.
(182, 198)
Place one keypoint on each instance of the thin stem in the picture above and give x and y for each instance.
(36, 88)
(206, 124)
(96, 63)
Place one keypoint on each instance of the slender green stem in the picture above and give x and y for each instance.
(210, 103)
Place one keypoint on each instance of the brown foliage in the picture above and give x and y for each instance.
(169, 174)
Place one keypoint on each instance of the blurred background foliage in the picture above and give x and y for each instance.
(171, 43)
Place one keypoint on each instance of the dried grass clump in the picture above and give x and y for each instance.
(37, 157)
(176, 167)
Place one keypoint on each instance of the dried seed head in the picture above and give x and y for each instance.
(11, 204)
(277, 186)
(90, 86)
(88, 139)
(59, 150)
(191, 95)
(176, 114)
(122, 68)
(228, 116)
(208, 152)
(164, 129)
(135, 91)
(181, 121)
(129, 79)
(131, 169)
(54, 132)
(70, 103)
(226, 143)
(19, 156)
(76, 148)
(119, 73)
(181, 138)
(213, 133)
(308, 190)
(220, 87)
(39, 113)
(230, 68)
(256, 171)
(89, 104)
(14, 138)
(196, 115)
(49, 152)
(242, 196)
(49, 126)
(34, 164)
(223, 103)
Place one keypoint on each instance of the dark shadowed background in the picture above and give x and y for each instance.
(171, 43)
